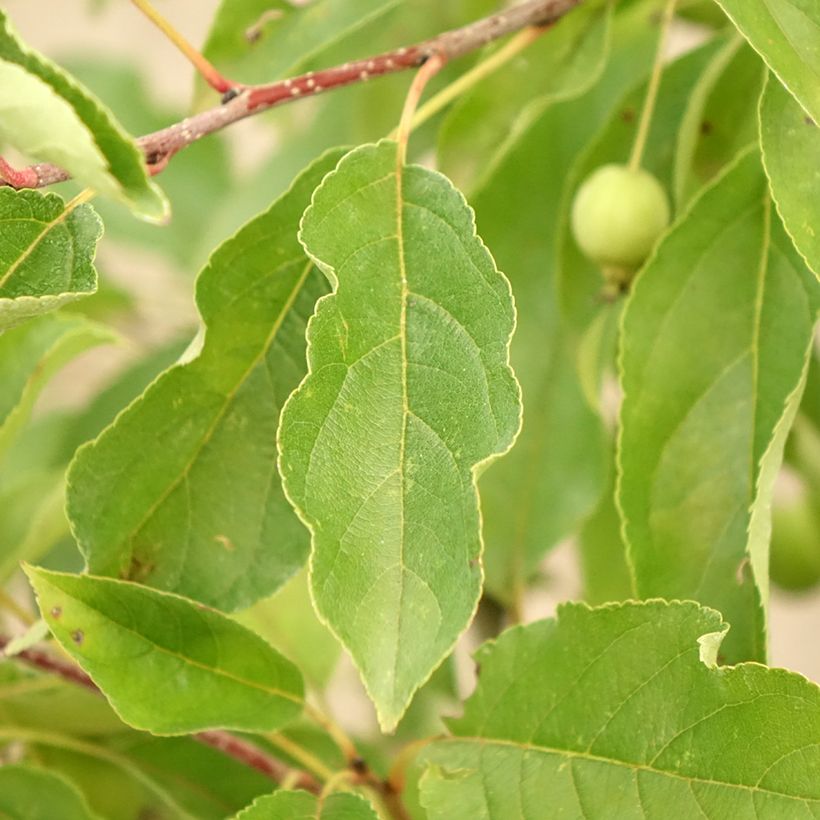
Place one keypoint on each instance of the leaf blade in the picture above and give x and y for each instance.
(195, 454)
(49, 116)
(616, 710)
(784, 33)
(209, 672)
(692, 438)
(370, 556)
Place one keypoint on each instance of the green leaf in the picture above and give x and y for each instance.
(619, 712)
(567, 60)
(409, 393)
(602, 552)
(197, 181)
(697, 419)
(288, 37)
(790, 141)
(30, 355)
(300, 805)
(34, 794)
(288, 622)
(786, 34)
(46, 255)
(195, 456)
(554, 476)
(205, 672)
(47, 115)
(720, 119)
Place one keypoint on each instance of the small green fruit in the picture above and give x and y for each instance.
(618, 215)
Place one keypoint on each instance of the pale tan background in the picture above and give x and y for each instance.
(63, 29)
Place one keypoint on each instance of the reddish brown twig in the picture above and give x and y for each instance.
(161, 145)
(246, 753)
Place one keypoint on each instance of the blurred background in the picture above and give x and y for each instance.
(147, 272)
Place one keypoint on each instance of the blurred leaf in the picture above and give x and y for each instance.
(196, 181)
(287, 621)
(46, 254)
(701, 424)
(30, 355)
(785, 33)
(48, 116)
(284, 37)
(602, 551)
(720, 118)
(795, 549)
(207, 783)
(409, 393)
(299, 805)
(620, 712)
(195, 456)
(553, 477)
(35, 794)
(207, 672)
(567, 60)
(791, 155)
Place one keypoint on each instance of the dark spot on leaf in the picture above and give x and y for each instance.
(809, 121)
(56, 611)
(706, 128)
(478, 670)
(628, 115)
(138, 570)
(77, 636)
(359, 765)
(473, 563)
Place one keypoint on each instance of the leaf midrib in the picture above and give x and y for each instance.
(218, 671)
(229, 397)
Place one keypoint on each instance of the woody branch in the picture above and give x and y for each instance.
(245, 101)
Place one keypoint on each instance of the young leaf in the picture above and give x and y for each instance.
(790, 141)
(46, 254)
(299, 805)
(47, 115)
(36, 794)
(697, 418)
(620, 712)
(30, 355)
(205, 672)
(409, 393)
(181, 492)
(785, 33)
(258, 41)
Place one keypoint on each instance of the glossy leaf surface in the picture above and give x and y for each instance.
(166, 664)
